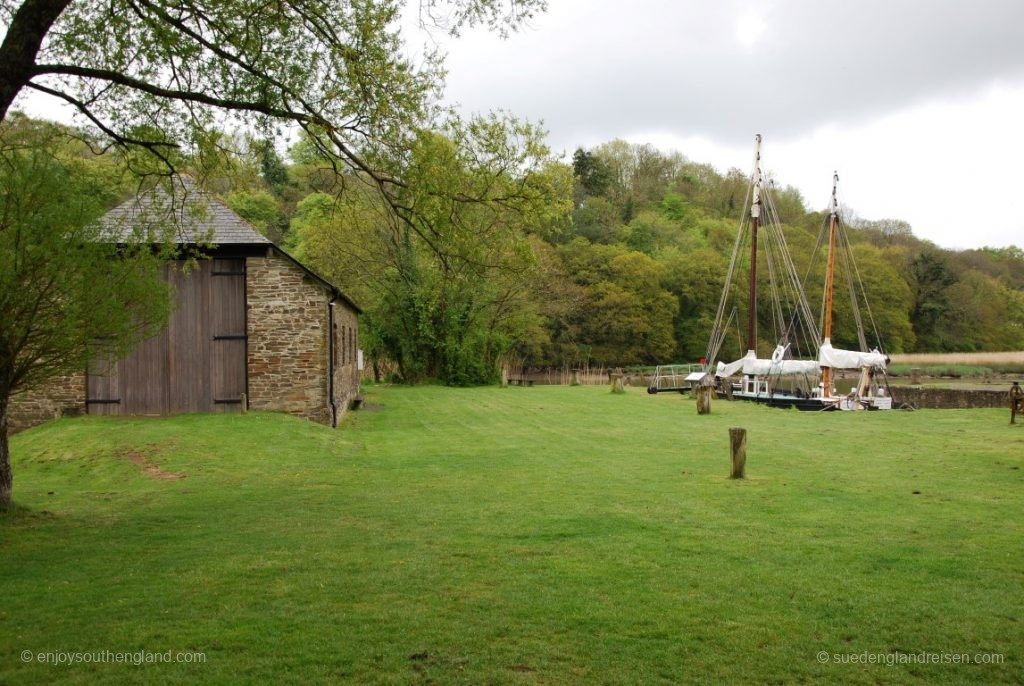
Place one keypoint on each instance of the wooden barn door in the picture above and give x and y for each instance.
(102, 388)
(188, 342)
(228, 333)
(135, 385)
(198, 364)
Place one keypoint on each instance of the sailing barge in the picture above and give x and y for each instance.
(787, 378)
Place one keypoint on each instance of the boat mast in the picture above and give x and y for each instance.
(755, 215)
(826, 372)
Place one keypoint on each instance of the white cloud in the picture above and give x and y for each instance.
(750, 27)
(952, 168)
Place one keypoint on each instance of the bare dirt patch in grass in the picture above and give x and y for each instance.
(143, 461)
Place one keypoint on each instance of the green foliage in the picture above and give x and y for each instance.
(66, 294)
(592, 175)
(445, 284)
(889, 299)
(260, 209)
(930, 279)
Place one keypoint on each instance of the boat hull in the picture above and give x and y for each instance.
(785, 402)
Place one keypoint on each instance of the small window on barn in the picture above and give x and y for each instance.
(334, 348)
(352, 344)
(341, 343)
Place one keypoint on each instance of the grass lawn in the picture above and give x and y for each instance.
(519, 535)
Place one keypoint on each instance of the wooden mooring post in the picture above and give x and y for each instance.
(738, 452)
(704, 393)
(617, 383)
(244, 405)
(1016, 401)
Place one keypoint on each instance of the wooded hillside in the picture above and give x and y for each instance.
(615, 257)
(630, 272)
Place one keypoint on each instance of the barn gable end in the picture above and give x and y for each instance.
(288, 344)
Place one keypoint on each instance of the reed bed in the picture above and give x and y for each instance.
(987, 359)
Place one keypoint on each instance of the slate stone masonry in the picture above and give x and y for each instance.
(288, 346)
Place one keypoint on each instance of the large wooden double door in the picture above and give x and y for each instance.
(197, 364)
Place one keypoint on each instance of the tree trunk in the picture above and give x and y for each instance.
(29, 26)
(6, 476)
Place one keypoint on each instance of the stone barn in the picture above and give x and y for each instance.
(251, 324)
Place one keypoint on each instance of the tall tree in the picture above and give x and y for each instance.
(66, 295)
(156, 73)
(930, 280)
(446, 297)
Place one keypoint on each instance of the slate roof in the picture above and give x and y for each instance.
(194, 216)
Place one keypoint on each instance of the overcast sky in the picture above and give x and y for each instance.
(919, 105)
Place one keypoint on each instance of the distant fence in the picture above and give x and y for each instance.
(588, 376)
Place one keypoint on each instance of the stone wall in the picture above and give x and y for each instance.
(346, 352)
(287, 345)
(949, 398)
(58, 397)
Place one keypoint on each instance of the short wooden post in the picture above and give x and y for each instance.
(915, 376)
(244, 403)
(1016, 401)
(704, 399)
(617, 385)
(738, 452)
(575, 380)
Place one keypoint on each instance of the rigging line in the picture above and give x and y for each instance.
(800, 326)
(846, 259)
(800, 298)
(800, 293)
(788, 262)
(794, 295)
(720, 339)
(867, 303)
(769, 263)
(740, 232)
(770, 241)
(739, 338)
(864, 293)
(778, 287)
(821, 312)
(725, 329)
(786, 289)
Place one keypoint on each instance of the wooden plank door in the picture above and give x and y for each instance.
(188, 340)
(102, 387)
(228, 333)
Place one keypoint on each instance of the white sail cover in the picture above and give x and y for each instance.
(752, 365)
(837, 358)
